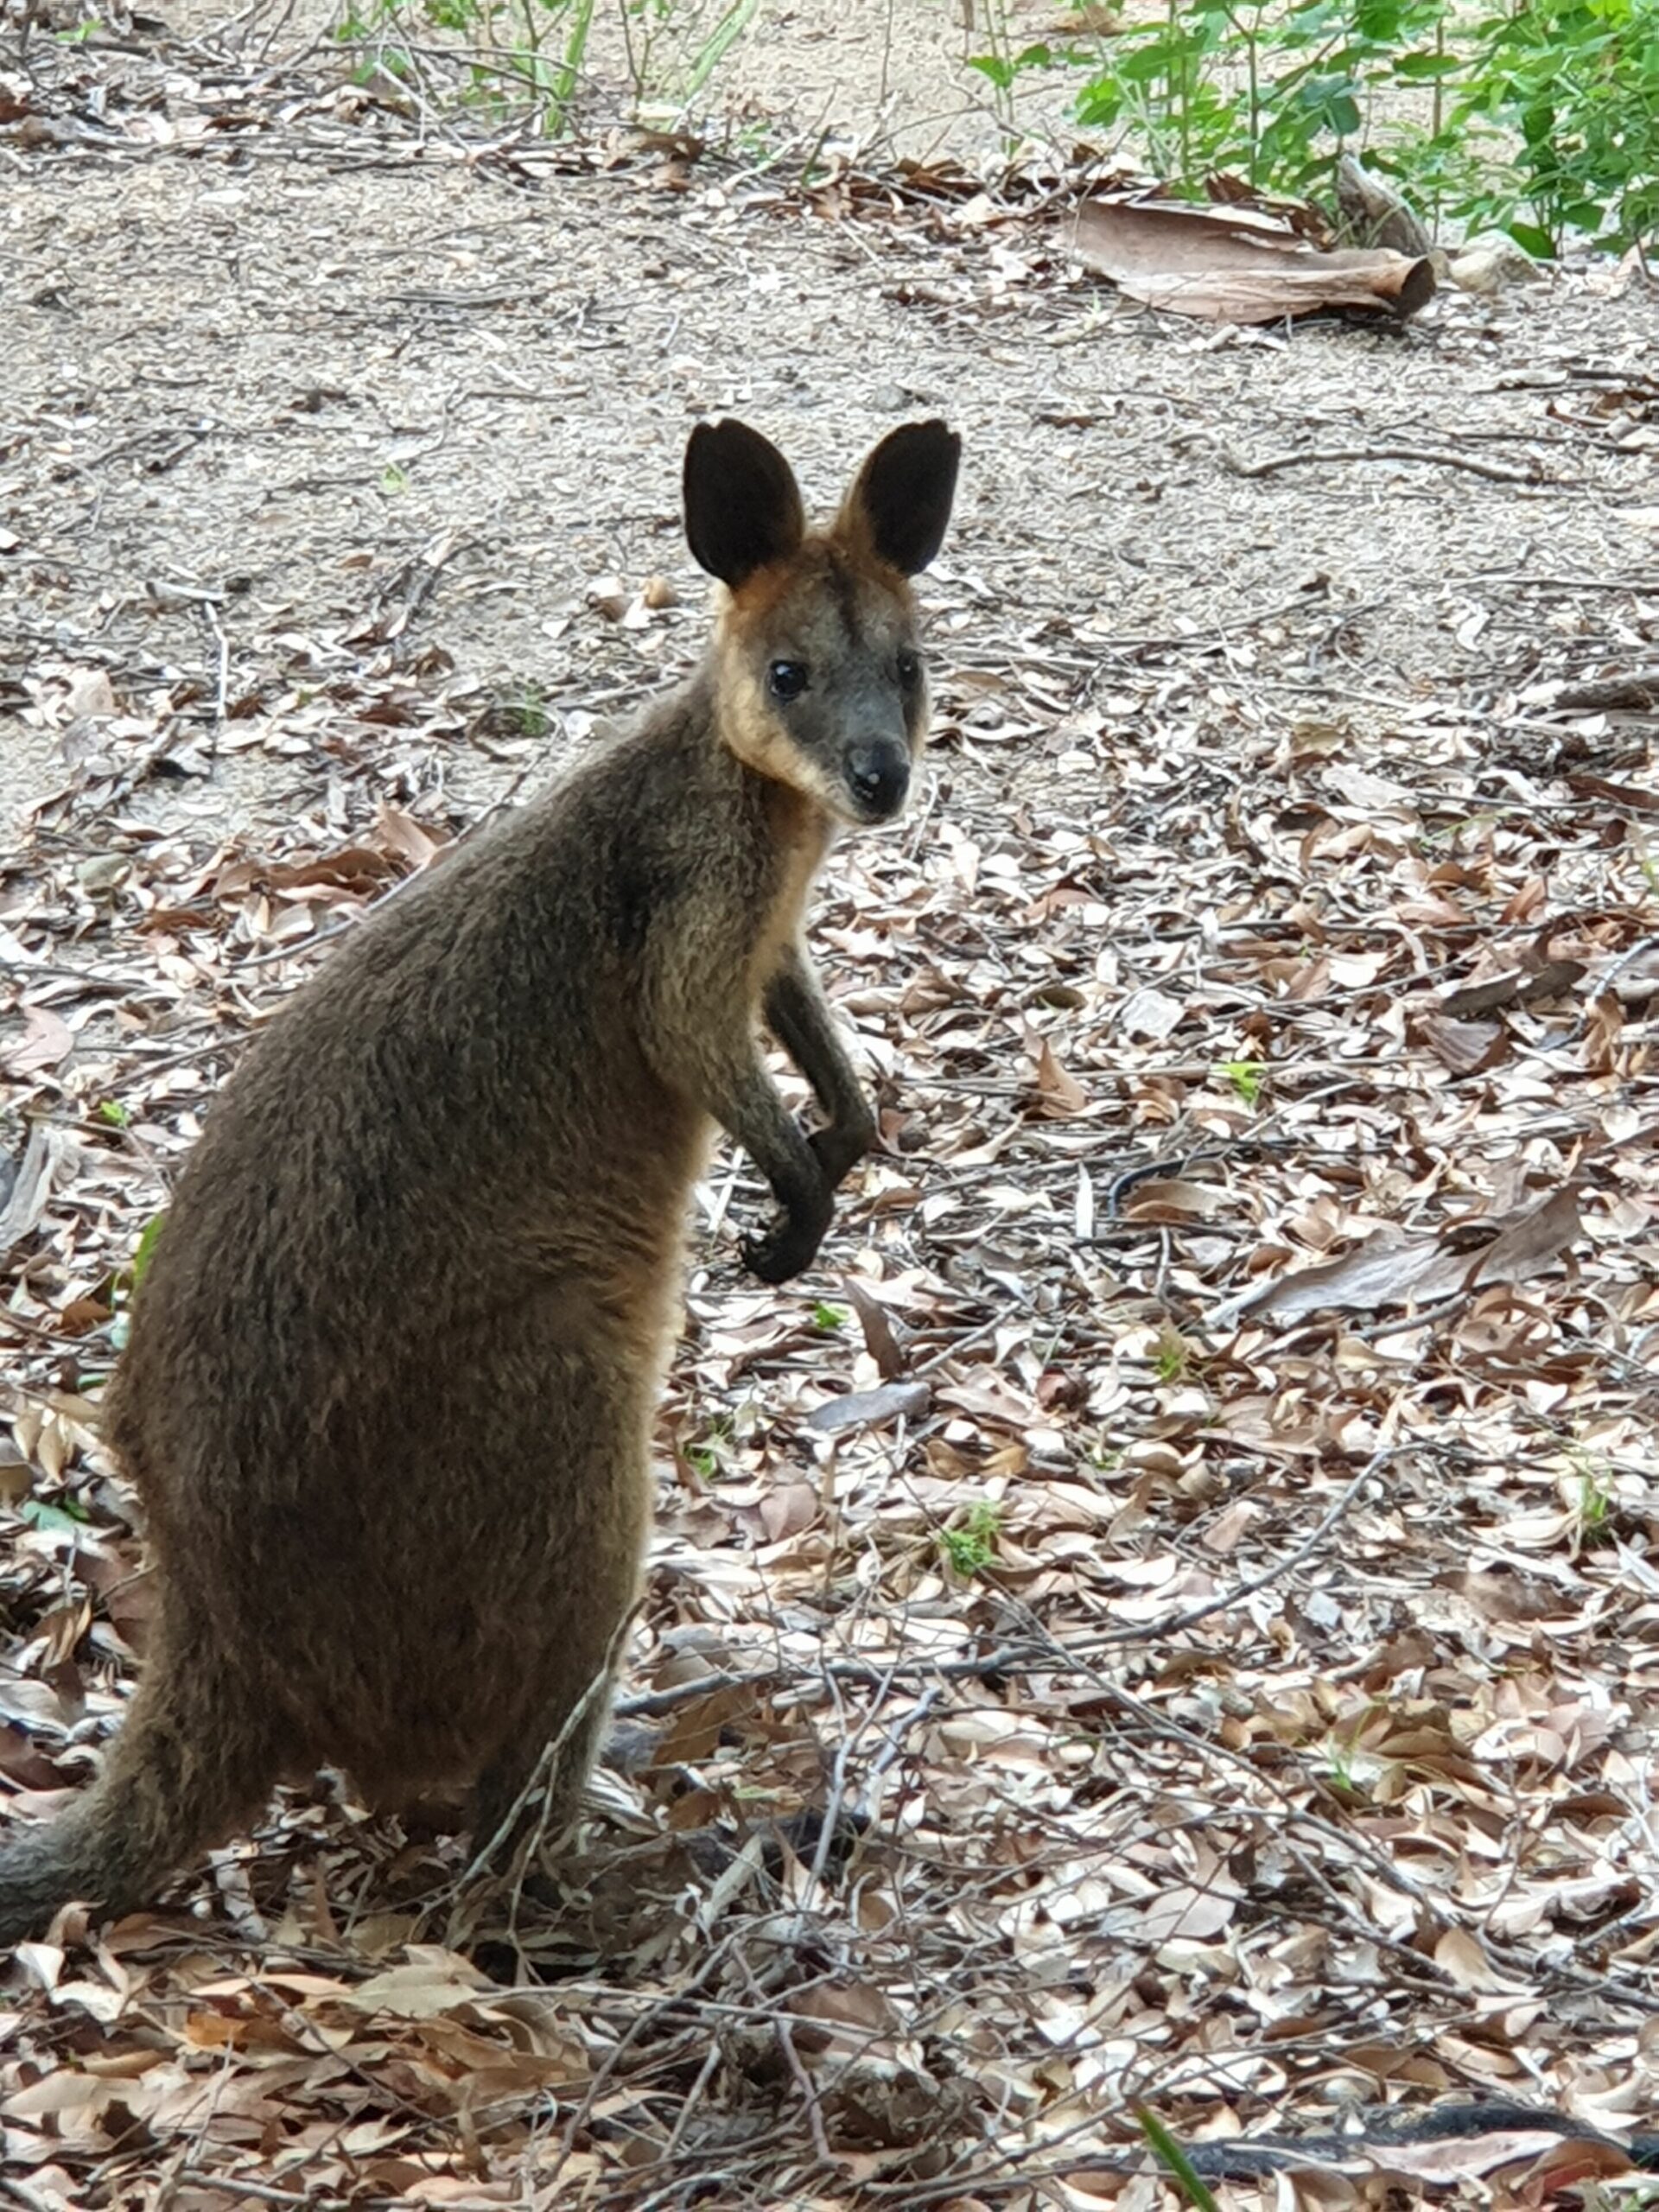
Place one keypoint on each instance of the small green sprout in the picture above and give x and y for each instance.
(1245, 1076)
(1171, 1357)
(971, 1547)
(146, 1252)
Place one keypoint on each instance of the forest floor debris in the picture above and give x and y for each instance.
(1196, 1694)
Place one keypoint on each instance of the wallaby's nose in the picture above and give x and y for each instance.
(879, 777)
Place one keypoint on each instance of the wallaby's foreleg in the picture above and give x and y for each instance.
(703, 1046)
(749, 1104)
(798, 1014)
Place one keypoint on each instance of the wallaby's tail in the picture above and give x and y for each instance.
(187, 1766)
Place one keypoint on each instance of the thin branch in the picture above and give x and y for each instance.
(1323, 456)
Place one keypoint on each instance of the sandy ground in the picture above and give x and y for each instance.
(276, 372)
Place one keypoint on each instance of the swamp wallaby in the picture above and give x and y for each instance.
(393, 1369)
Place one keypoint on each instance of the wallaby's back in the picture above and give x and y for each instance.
(389, 1388)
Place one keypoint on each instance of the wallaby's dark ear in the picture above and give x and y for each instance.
(901, 500)
(742, 503)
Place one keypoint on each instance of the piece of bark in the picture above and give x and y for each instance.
(1235, 264)
(1374, 214)
(1639, 690)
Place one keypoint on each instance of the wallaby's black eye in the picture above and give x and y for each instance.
(909, 667)
(787, 679)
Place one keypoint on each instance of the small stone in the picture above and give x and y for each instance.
(102, 876)
(659, 593)
(607, 596)
(90, 693)
(1490, 263)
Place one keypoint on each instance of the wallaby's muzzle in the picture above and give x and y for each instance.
(878, 777)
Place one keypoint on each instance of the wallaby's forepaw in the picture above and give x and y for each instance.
(788, 1247)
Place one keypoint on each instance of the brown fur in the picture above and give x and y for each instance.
(393, 1371)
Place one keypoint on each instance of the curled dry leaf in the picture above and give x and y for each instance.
(1238, 264)
(879, 1339)
(1516, 987)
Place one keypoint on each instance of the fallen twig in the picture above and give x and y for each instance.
(1319, 456)
(1640, 688)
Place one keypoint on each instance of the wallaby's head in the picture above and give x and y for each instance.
(818, 667)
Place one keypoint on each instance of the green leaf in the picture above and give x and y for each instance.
(1143, 66)
(1174, 2161)
(719, 42)
(993, 66)
(146, 1251)
(1538, 242)
(1245, 1076)
(971, 1546)
(1378, 21)
(1099, 104)
(58, 1520)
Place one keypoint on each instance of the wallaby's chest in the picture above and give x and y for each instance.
(802, 841)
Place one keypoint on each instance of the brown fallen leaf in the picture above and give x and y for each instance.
(1237, 264)
(21, 1762)
(46, 1042)
(401, 834)
(1515, 987)
(1530, 1240)
(1631, 795)
(1464, 1958)
(879, 1339)
(433, 1981)
(1466, 2158)
(1395, 1268)
(1463, 1046)
(354, 867)
(866, 1409)
(1060, 1096)
(788, 1510)
(1174, 1198)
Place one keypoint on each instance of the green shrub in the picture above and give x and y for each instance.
(1543, 116)
(534, 52)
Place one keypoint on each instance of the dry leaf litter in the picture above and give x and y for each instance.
(1187, 1550)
